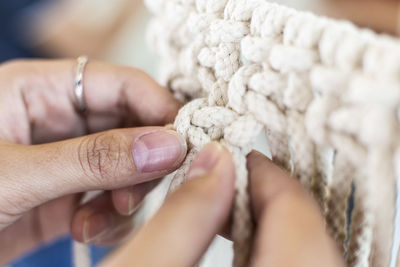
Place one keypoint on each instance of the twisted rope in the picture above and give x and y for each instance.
(325, 92)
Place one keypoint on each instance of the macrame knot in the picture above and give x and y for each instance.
(325, 93)
(201, 123)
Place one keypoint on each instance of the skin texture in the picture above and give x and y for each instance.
(49, 154)
(290, 230)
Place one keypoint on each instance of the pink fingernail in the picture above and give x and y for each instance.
(158, 151)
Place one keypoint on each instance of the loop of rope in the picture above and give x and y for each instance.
(326, 94)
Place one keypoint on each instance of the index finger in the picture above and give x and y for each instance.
(44, 104)
(290, 228)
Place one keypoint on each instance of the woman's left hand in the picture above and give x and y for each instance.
(49, 152)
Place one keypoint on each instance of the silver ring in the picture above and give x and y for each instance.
(78, 90)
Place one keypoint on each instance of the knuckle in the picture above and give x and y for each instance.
(10, 72)
(13, 67)
(104, 157)
(14, 63)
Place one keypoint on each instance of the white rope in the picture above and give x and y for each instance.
(325, 92)
(81, 253)
(318, 87)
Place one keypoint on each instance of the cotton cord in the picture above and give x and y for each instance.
(325, 93)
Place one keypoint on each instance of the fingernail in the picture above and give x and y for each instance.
(157, 151)
(133, 204)
(205, 160)
(96, 225)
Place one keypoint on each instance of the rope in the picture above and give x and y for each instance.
(325, 93)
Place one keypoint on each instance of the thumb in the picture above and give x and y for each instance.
(186, 224)
(106, 160)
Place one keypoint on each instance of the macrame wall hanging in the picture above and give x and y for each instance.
(326, 94)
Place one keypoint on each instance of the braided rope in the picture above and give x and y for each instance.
(325, 93)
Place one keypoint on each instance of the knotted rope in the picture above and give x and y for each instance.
(326, 94)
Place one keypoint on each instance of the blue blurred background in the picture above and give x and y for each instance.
(57, 253)
(12, 44)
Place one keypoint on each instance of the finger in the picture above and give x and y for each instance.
(290, 228)
(99, 223)
(127, 200)
(44, 105)
(39, 226)
(186, 224)
(108, 160)
(114, 210)
(137, 96)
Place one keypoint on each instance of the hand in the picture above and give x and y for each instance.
(40, 175)
(290, 229)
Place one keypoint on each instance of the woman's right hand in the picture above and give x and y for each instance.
(290, 230)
